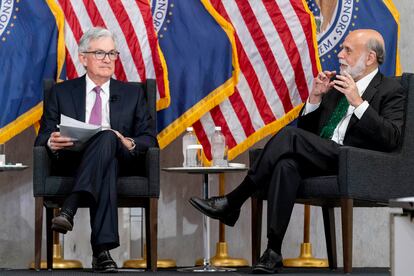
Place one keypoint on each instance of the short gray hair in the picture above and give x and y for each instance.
(378, 48)
(92, 34)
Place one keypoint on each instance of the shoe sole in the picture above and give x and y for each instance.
(61, 225)
(221, 219)
(263, 271)
(109, 270)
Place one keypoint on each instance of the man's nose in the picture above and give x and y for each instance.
(341, 54)
(106, 58)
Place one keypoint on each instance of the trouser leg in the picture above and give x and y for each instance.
(97, 175)
(319, 154)
(104, 214)
(281, 196)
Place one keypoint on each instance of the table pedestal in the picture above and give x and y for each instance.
(206, 266)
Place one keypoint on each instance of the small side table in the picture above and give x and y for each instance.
(205, 171)
(12, 167)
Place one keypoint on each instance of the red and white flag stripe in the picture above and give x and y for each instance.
(131, 21)
(277, 58)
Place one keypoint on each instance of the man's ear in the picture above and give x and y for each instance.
(82, 59)
(371, 58)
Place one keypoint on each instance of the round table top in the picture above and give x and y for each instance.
(206, 170)
(12, 167)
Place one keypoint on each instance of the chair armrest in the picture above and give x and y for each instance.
(152, 167)
(42, 164)
(374, 175)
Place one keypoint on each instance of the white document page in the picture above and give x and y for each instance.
(79, 131)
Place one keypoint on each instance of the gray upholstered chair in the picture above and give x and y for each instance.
(133, 191)
(366, 178)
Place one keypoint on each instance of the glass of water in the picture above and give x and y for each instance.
(194, 156)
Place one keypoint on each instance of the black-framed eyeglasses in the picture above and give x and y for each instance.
(113, 55)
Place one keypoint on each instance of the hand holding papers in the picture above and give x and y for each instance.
(79, 131)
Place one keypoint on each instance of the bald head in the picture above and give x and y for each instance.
(362, 52)
(372, 40)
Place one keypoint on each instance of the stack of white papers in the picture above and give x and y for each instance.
(79, 131)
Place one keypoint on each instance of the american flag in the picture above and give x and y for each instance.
(278, 61)
(275, 46)
(131, 21)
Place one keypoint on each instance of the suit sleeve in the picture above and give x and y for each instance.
(144, 128)
(383, 127)
(50, 118)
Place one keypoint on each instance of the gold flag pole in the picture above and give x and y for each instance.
(58, 261)
(222, 257)
(305, 258)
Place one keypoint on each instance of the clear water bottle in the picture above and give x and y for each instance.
(218, 148)
(188, 139)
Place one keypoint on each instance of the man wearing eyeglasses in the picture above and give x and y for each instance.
(120, 109)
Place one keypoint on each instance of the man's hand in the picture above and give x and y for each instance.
(127, 142)
(58, 142)
(346, 85)
(321, 84)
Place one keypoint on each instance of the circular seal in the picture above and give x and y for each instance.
(6, 13)
(160, 12)
(334, 21)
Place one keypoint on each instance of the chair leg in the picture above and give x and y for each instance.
(347, 217)
(49, 238)
(38, 231)
(257, 210)
(151, 227)
(330, 236)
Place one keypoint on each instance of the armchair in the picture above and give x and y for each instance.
(383, 176)
(133, 191)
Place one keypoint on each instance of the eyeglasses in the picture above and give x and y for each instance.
(101, 55)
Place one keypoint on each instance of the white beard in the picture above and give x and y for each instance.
(355, 71)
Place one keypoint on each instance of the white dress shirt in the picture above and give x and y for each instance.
(90, 101)
(339, 132)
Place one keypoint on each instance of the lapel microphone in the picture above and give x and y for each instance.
(113, 98)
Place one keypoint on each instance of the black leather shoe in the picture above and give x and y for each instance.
(63, 222)
(104, 263)
(269, 263)
(217, 208)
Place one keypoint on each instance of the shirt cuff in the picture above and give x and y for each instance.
(133, 143)
(49, 146)
(360, 110)
(310, 107)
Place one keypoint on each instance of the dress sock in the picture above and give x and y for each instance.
(275, 244)
(241, 193)
(72, 202)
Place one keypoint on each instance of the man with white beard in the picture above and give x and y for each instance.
(359, 107)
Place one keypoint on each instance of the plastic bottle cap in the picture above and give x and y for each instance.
(217, 128)
(194, 147)
(190, 128)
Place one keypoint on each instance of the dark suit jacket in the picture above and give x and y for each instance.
(127, 106)
(380, 127)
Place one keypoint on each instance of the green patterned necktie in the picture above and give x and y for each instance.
(337, 115)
